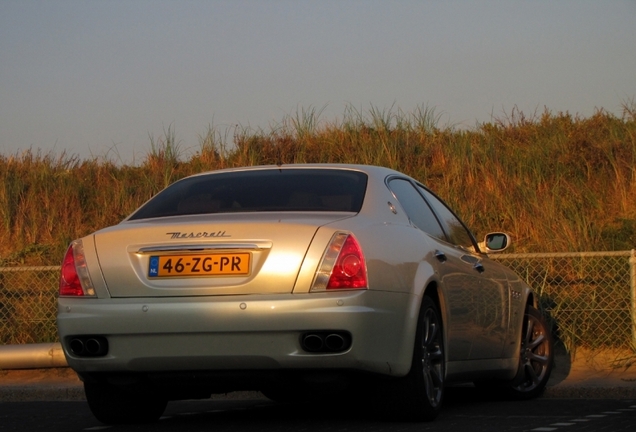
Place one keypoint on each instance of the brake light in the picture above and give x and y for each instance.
(343, 265)
(74, 278)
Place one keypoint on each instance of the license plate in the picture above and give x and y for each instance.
(221, 264)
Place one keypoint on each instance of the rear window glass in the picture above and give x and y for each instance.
(260, 191)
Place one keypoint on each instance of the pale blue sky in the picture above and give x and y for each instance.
(87, 77)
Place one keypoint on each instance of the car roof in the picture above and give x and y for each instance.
(371, 170)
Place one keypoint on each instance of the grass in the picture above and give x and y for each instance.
(554, 181)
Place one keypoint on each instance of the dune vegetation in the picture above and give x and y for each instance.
(556, 182)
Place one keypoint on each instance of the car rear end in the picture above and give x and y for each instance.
(237, 273)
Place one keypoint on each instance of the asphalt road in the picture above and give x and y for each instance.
(465, 409)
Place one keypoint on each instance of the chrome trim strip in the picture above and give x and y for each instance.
(203, 247)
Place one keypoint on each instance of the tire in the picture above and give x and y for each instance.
(536, 358)
(112, 404)
(419, 395)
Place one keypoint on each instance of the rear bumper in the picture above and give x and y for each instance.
(232, 333)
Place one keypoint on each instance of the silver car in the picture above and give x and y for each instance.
(297, 281)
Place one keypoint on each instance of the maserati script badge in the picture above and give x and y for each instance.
(204, 234)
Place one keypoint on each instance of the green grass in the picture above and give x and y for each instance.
(554, 181)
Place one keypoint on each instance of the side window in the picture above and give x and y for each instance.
(416, 208)
(455, 229)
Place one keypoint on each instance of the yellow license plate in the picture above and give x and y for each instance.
(220, 264)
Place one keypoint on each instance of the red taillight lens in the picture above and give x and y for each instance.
(343, 265)
(69, 280)
(350, 270)
(74, 278)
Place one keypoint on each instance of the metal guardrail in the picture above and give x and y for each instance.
(590, 297)
(32, 356)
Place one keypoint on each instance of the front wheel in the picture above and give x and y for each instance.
(536, 357)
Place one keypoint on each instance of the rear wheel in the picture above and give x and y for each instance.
(419, 395)
(536, 357)
(123, 404)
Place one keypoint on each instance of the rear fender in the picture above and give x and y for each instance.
(424, 283)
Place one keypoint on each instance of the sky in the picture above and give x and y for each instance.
(98, 79)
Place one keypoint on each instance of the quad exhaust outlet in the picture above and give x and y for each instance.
(88, 346)
(325, 341)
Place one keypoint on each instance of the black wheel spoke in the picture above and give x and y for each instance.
(436, 375)
(532, 374)
(540, 339)
(430, 329)
(428, 385)
(529, 329)
(541, 359)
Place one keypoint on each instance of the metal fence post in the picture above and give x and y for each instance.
(632, 271)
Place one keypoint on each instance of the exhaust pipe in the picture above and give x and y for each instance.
(93, 346)
(88, 346)
(325, 341)
(334, 342)
(77, 346)
(312, 343)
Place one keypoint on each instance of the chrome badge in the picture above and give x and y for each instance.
(204, 234)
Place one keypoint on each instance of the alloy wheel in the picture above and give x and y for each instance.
(535, 355)
(432, 357)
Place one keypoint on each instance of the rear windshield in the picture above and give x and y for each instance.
(260, 191)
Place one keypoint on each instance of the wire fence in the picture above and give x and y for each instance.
(589, 297)
(28, 304)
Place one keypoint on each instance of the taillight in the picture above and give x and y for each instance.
(342, 266)
(74, 278)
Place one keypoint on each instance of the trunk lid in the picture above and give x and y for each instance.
(225, 254)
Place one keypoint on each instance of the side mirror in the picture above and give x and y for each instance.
(495, 242)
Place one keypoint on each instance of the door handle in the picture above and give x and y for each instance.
(441, 256)
(479, 267)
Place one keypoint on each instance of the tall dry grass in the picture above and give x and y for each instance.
(554, 181)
